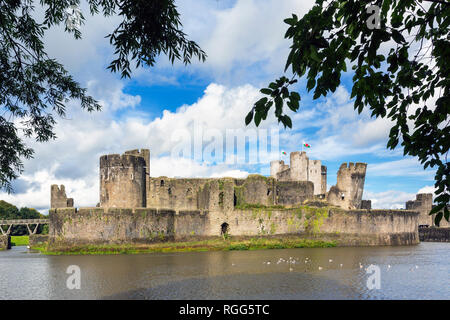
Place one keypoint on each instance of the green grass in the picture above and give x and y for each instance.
(20, 240)
(188, 246)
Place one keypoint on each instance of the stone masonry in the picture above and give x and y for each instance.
(347, 193)
(58, 198)
(423, 204)
(301, 169)
(135, 207)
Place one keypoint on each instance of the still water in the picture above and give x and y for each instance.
(406, 272)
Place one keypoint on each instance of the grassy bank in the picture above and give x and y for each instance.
(189, 246)
(20, 240)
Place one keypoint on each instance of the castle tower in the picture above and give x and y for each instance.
(58, 198)
(348, 191)
(301, 169)
(123, 179)
(299, 166)
(423, 204)
(276, 166)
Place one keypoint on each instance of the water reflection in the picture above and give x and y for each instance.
(416, 272)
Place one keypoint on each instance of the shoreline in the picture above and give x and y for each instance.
(185, 246)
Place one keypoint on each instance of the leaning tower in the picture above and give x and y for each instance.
(123, 179)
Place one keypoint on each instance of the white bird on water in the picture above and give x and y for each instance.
(331, 260)
(28, 247)
(341, 265)
(320, 268)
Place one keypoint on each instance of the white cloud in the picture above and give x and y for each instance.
(398, 168)
(392, 199)
(72, 159)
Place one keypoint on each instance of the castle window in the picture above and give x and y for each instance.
(162, 183)
(221, 199)
(169, 191)
(342, 196)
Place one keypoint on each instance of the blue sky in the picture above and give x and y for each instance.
(246, 50)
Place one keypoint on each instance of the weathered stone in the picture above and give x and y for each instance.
(58, 198)
(5, 242)
(366, 204)
(434, 234)
(123, 180)
(301, 169)
(367, 227)
(347, 193)
(36, 239)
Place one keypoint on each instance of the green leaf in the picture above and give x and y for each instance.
(249, 118)
(397, 36)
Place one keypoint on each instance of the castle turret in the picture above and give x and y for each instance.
(348, 191)
(423, 204)
(123, 181)
(299, 166)
(58, 198)
(276, 167)
(301, 169)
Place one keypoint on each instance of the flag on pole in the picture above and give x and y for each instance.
(283, 153)
(306, 145)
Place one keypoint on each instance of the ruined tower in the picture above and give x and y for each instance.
(301, 168)
(423, 204)
(347, 193)
(58, 198)
(123, 179)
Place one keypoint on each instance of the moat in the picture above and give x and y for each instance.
(407, 272)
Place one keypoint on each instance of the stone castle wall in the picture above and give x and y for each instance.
(226, 194)
(423, 204)
(113, 225)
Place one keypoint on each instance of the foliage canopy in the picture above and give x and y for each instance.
(409, 83)
(34, 88)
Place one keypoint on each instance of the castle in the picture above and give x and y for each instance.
(136, 207)
(126, 182)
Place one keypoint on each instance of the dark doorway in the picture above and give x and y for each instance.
(224, 228)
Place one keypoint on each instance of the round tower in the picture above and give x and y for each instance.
(122, 181)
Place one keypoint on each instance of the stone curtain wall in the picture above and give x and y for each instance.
(374, 227)
(348, 227)
(434, 234)
(99, 225)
